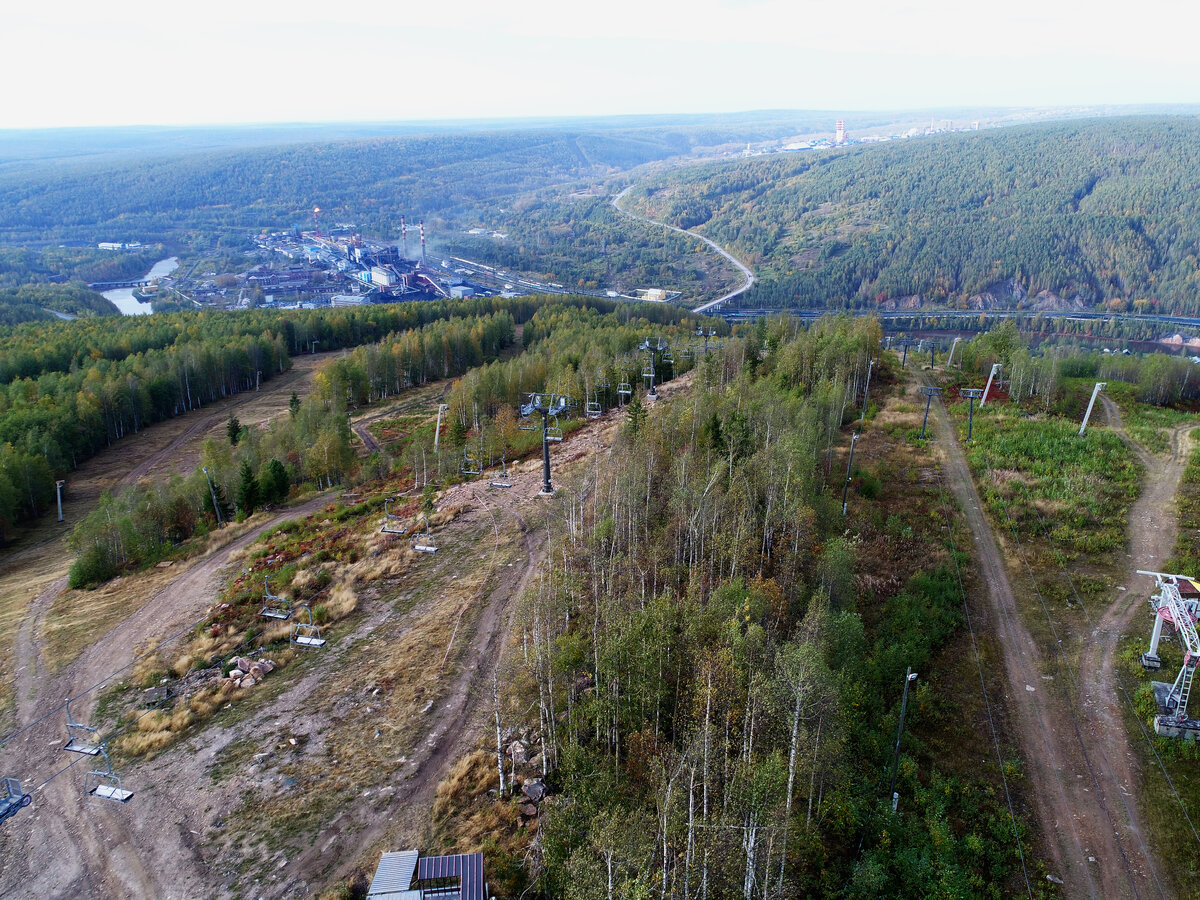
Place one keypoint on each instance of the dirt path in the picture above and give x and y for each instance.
(67, 848)
(162, 843)
(1152, 530)
(1088, 826)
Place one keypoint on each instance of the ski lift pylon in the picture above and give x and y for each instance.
(13, 798)
(274, 607)
(79, 738)
(305, 631)
(104, 784)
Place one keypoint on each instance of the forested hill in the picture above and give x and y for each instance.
(1096, 212)
(370, 181)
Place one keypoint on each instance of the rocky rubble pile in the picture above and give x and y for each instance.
(246, 672)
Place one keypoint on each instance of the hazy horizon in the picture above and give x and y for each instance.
(306, 62)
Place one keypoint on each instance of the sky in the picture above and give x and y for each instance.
(136, 62)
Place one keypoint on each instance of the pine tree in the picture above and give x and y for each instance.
(233, 428)
(635, 414)
(248, 490)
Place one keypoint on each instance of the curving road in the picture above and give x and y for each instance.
(745, 270)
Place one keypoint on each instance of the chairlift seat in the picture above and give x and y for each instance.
(499, 483)
(13, 799)
(593, 409)
(274, 606)
(624, 388)
(79, 738)
(526, 423)
(308, 640)
(281, 614)
(84, 747)
(424, 548)
(113, 792)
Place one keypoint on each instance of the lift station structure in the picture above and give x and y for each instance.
(1175, 605)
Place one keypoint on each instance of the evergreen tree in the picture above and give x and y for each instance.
(233, 428)
(273, 484)
(248, 489)
(294, 405)
(635, 414)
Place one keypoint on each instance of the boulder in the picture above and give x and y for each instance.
(243, 664)
(535, 790)
(518, 752)
(528, 810)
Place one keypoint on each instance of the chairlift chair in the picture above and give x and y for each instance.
(104, 784)
(305, 631)
(78, 736)
(527, 423)
(502, 480)
(470, 464)
(274, 607)
(625, 389)
(686, 352)
(554, 433)
(668, 356)
(391, 523)
(424, 542)
(13, 798)
(592, 408)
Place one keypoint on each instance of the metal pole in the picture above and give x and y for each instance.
(547, 487)
(970, 417)
(932, 355)
(928, 400)
(866, 394)
(909, 677)
(904, 359)
(213, 491)
(437, 431)
(59, 486)
(1100, 385)
(849, 466)
(951, 357)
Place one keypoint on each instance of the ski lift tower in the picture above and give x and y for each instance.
(1176, 603)
(652, 347)
(930, 393)
(1100, 385)
(997, 370)
(972, 394)
(546, 405)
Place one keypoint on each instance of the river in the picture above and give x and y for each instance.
(123, 298)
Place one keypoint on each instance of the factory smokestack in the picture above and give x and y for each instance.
(422, 224)
(404, 236)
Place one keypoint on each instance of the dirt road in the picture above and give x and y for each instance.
(1078, 769)
(67, 848)
(169, 841)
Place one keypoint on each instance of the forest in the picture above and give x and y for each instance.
(1102, 213)
(72, 388)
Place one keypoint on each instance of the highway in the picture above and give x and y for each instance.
(745, 270)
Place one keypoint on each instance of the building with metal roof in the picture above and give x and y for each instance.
(455, 877)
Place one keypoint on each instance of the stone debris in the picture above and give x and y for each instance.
(246, 672)
(535, 790)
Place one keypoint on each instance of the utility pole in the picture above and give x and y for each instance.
(909, 677)
(971, 394)
(59, 486)
(904, 358)
(1100, 385)
(849, 466)
(866, 394)
(930, 393)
